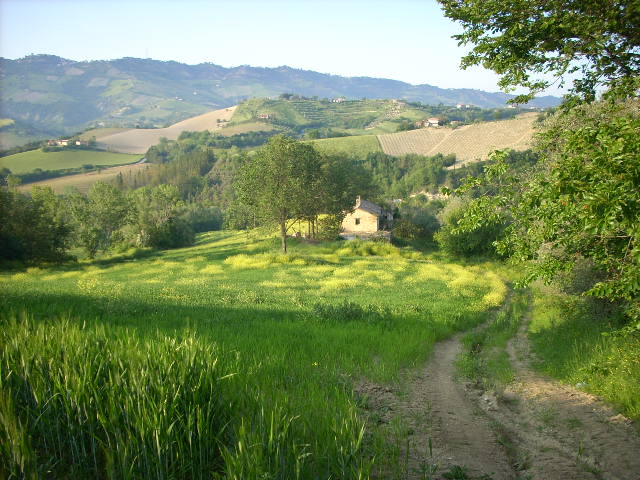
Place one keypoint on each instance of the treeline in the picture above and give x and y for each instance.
(201, 184)
(39, 174)
(216, 140)
(469, 114)
(43, 226)
(21, 148)
(205, 177)
(432, 217)
(189, 142)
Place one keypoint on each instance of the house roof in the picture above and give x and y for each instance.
(370, 207)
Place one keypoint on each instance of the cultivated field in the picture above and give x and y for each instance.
(469, 143)
(139, 140)
(223, 360)
(28, 161)
(83, 181)
(100, 133)
(359, 145)
(227, 131)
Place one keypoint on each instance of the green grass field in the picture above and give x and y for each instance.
(581, 345)
(359, 145)
(29, 161)
(222, 360)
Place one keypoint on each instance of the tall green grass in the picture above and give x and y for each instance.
(225, 351)
(580, 343)
(485, 359)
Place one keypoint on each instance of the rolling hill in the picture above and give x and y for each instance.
(83, 181)
(140, 139)
(55, 94)
(468, 143)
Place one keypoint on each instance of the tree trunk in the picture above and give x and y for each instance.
(283, 235)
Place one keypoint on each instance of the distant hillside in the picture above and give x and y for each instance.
(55, 94)
(355, 117)
(468, 143)
(14, 133)
(138, 140)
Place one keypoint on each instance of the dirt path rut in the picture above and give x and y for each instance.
(439, 412)
(535, 429)
(561, 432)
(461, 434)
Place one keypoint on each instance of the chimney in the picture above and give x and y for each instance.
(358, 201)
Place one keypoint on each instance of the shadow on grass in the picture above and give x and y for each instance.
(141, 315)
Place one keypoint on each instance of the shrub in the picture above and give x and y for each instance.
(329, 227)
(406, 230)
(466, 243)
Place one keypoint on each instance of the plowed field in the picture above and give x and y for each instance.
(138, 140)
(469, 143)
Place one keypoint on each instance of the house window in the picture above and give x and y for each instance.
(357, 221)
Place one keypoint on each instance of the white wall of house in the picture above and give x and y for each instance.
(361, 221)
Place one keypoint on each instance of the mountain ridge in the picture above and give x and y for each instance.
(62, 95)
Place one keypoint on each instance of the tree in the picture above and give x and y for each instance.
(464, 243)
(581, 201)
(32, 229)
(155, 218)
(97, 216)
(527, 40)
(278, 182)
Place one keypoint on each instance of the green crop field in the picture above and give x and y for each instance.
(359, 145)
(29, 161)
(354, 116)
(225, 359)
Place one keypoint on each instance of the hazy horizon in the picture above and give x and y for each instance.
(406, 40)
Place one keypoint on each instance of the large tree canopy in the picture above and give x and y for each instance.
(582, 201)
(278, 180)
(529, 41)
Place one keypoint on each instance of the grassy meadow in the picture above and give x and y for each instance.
(359, 145)
(579, 342)
(28, 161)
(222, 360)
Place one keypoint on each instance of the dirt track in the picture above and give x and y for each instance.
(536, 429)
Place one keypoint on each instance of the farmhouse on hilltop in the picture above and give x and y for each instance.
(429, 122)
(366, 218)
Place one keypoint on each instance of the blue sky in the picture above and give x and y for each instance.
(408, 40)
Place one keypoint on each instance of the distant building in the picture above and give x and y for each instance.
(58, 143)
(66, 142)
(366, 218)
(463, 105)
(429, 122)
(266, 116)
(339, 100)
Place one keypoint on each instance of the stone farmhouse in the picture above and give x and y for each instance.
(367, 218)
(429, 122)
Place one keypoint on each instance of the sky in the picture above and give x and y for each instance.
(407, 40)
